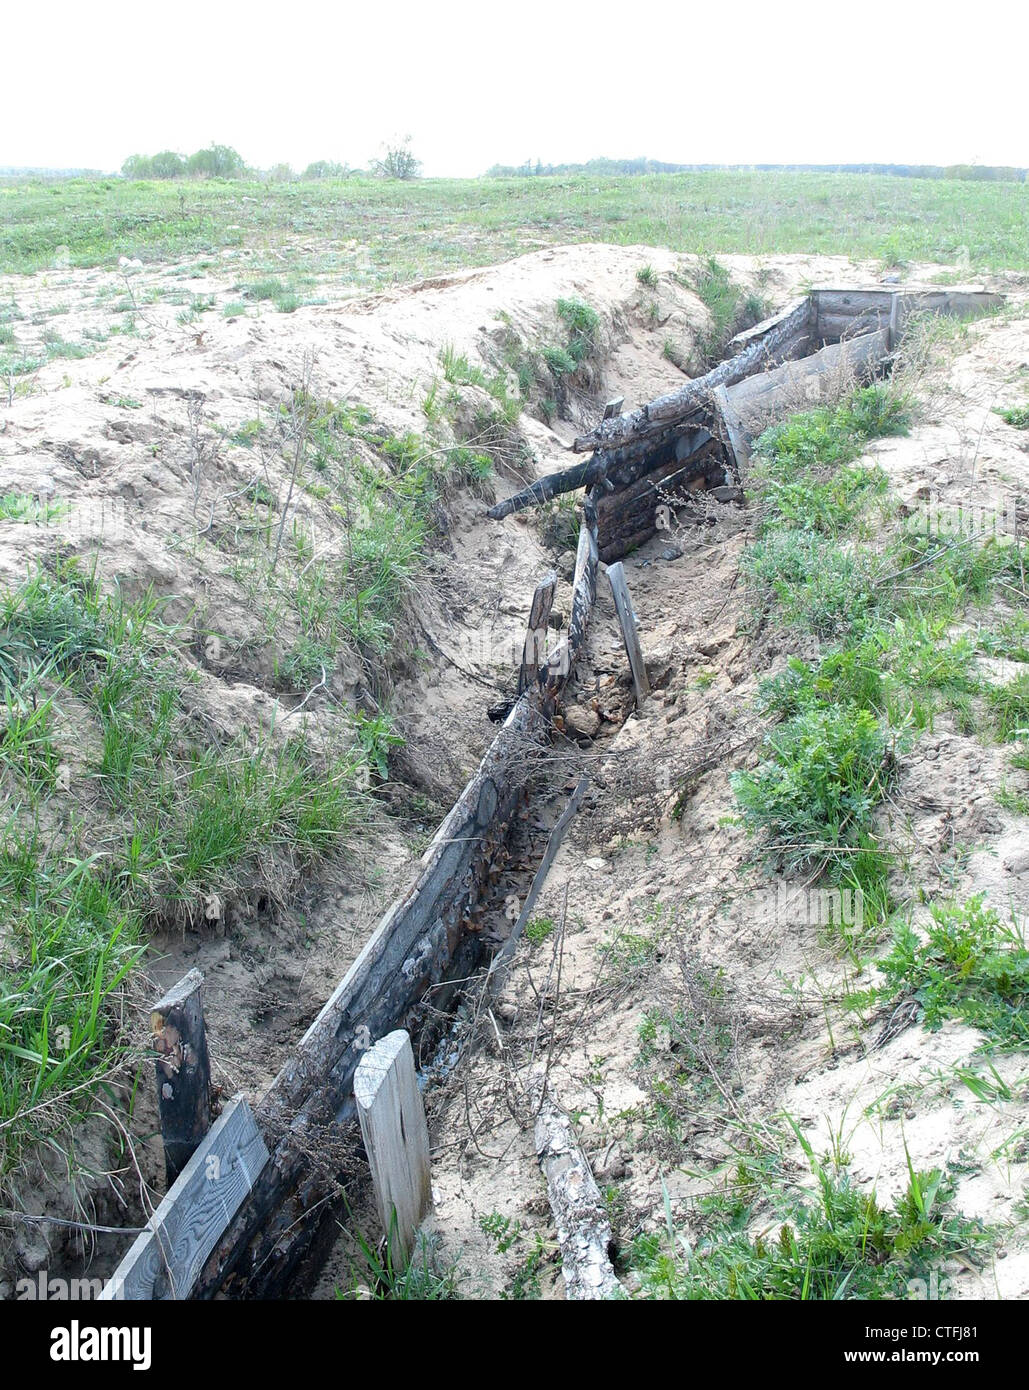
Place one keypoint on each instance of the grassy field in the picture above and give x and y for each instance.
(430, 226)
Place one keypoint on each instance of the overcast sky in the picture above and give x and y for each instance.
(86, 84)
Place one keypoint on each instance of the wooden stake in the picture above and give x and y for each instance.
(396, 1136)
(627, 622)
(183, 1071)
(534, 651)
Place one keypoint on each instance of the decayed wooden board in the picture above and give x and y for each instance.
(735, 436)
(630, 636)
(534, 649)
(396, 1138)
(166, 1259)
(959, 303)
(559, 665)
(833, 327)
(498, 966)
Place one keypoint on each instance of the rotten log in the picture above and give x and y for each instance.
(794, 386)
(777, 339)
(183, 1070)
(580, 1215)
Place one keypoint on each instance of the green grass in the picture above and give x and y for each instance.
(70, 943)
(1009, 705)
(970, 966)
(729, 308)
(427, 226)
(884, 616)
(177, 826)
(1017, 416)
(823, 773)
(20, 506)
(836, 1243)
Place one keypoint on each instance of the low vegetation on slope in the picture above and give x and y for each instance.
(883, 601)
(128, 807)
(428, 226)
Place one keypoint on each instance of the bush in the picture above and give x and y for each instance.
(216, 162)
(397, 161)
(325, 169)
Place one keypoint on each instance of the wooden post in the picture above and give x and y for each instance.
(614, 407)
(534, 651)
(896, 320)
(627, 622)
(183, 1071)
(396, 1136)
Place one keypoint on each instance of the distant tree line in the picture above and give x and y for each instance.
(216, 162)
(989, 173)
(223, 162)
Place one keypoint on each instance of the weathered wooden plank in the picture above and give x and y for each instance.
(183, 1070)
(962, 303)
(165, 1261)
(555, 673)
(396, 1138)
(613, 407)
(535, 648)
(849, 303)
(738, 445)
(833, 327)
(583, 1225)
(500, 962)
(761, 330)
(630, 634)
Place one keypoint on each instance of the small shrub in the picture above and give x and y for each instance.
(972, 966)
(824, 772)
(1017, 416)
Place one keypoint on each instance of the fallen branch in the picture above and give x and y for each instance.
(583, 1228)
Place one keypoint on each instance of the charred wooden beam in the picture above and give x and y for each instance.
(604, 472)
(183, 1068)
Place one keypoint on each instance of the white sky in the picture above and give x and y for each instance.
(86, 84)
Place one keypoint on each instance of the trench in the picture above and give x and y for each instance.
(422, 968)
